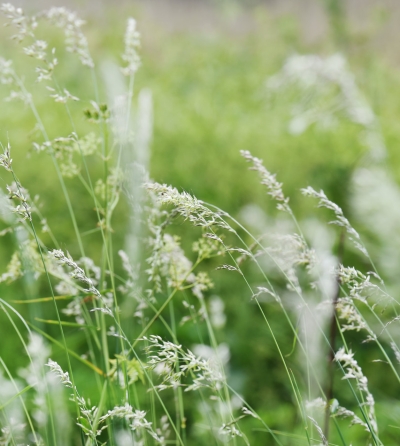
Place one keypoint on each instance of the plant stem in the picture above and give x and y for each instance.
(332, 339)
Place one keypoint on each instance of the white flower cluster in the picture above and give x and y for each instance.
(126, 264)
(14, 269)
(187, 206)
(362, 289)
(354, 371)
(168, 260)
(58, 371)
(71, 24)
(37, 50)
(21, 195)
(360, 285)
(335, 410)
(9, 77)
(77, 272)
(26, 261)
(74, 308)
(7, 73)
(62, 98)
(89, 415)
(62, 148)
(217, 313)
(342, 412)
(65, 148)
(231, 430)
(166, 356)
(269, 180)
(11, 433)
(25, 25)
(136, 419)
(132, 43)
(354, 321)
(340, 220)
(5, 158)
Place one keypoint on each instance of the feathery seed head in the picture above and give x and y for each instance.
(132, 43)
(269, 180)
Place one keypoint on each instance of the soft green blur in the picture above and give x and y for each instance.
(210, 102)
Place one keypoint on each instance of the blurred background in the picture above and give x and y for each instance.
(207, 64)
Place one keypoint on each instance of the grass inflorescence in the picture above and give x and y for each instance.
(130, 340)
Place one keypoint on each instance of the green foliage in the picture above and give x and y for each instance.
(204, 287)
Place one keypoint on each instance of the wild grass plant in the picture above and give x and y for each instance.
(129, 346)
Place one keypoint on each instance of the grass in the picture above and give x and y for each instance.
(204, 329)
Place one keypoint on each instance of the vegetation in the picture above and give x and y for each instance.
(213, 310)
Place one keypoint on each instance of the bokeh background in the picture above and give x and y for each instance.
(207, 64)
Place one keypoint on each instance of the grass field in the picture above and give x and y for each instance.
(250, 292)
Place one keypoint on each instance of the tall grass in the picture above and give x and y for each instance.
(134, 335)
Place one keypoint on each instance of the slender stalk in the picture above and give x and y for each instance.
(332, 339)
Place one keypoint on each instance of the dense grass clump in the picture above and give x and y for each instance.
(136, 313)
